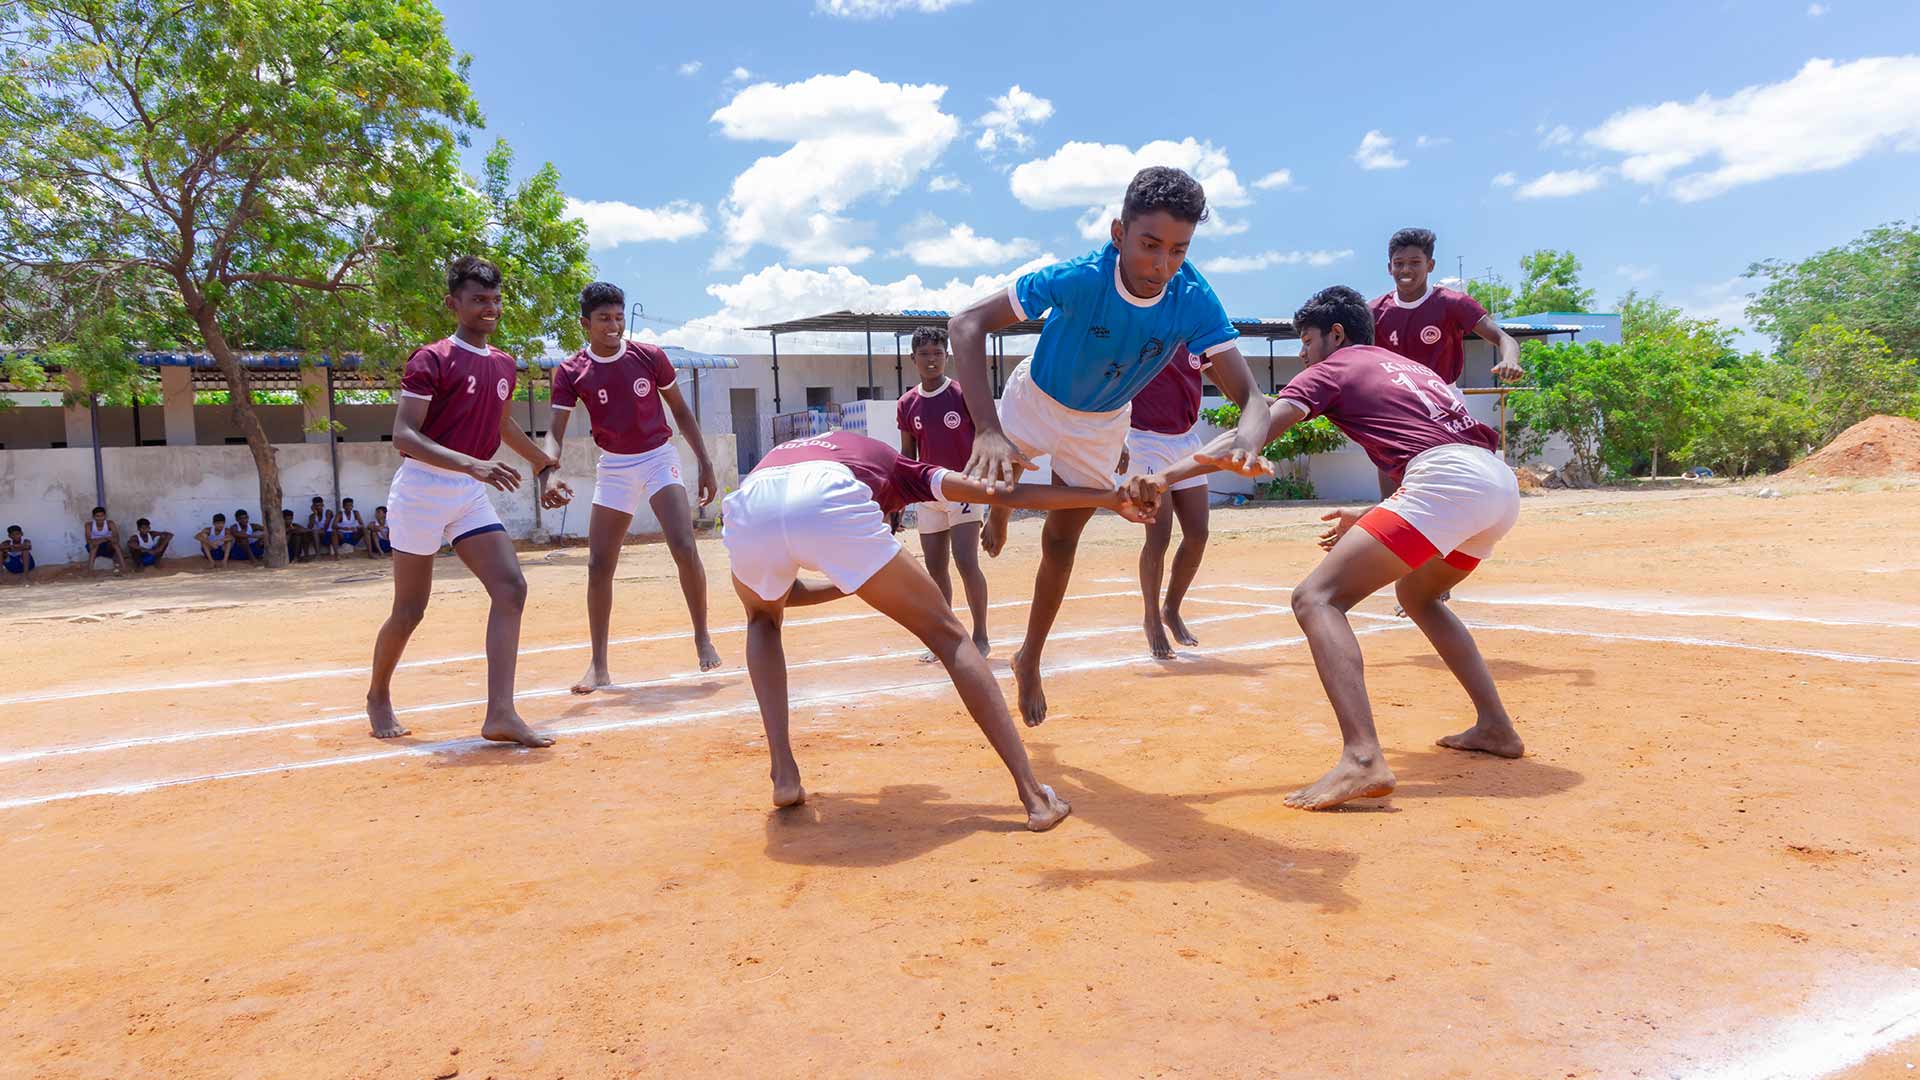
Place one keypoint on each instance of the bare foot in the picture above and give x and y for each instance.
(789, 793)
(1033, 697)
(1349, 779)
(1052, 811)
(1157, 641)
(993, 535)
(510, 728)
(596, 678)
(385, 724)
(1179, 628)
(928, 657)
(709, 656)
(1496, 738)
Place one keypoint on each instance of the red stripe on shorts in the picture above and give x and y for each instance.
(1401, 538)
(1462, 561)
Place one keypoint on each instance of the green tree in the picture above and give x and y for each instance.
(1550, 281)
(1872, 284)
(1758, 420)
(1494, 294)
(1569, 401)
(231, 151)
(1854, 375)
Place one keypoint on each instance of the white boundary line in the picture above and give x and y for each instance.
(1711, 643)
(451, 746)
(1637, 608)
(554, 691)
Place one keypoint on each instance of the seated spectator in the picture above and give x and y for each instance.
(379, 540)
(300, 539)
(320, 524)
(103, 541)
(216, 541)
(249, 540)
(348, 528)
(146, 546)
(16, 554)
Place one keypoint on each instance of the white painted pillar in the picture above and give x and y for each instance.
(78, 418)
(313, 405)
(176, 403)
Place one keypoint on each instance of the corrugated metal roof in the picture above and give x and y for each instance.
(906, 322)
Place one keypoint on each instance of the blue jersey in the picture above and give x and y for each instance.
(1101, 345)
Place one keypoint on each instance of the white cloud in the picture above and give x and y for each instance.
(611, 224)
(880, 9)
(1278, 178)
(1095, 176)
(1561, 184)
(1241, 264)
(1827, 116)
(947, 183)
(780, 292)
(1011, 112)
(1376, 152)
(854, 137)
(1558, 135)
(1634, 274)
(1424, 142)
(1505, 179)
(691, 67)
(932, 243)
(1816, 10)
(739, 75)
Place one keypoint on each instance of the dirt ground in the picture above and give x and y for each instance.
(1705, 866)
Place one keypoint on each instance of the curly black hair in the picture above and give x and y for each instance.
(1159, 187)
(1337, 304)
(1411, 238)
(601, 294)
(471, 268)
(930, 335)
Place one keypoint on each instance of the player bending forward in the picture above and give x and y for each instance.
(1455, 500)
(822, 504)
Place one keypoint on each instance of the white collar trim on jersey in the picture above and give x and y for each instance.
(1120, 287)
(598, 359)
(945, 381)
(455, 338)
(1397, 302)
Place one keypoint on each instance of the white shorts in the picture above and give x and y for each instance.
(1150, 453)
(1455, 502)
(623, 481)
(811, 515)
(938, 517)
(1085, 447)
(428, 506)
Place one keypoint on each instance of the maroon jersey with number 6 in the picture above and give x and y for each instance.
(1393, 407)
(468, 390)
(1429, 332)
(622, 395)
(940, 424)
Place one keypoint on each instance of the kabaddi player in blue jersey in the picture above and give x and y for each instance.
(1118, 314)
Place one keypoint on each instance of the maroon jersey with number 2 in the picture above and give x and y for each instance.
(467, 389)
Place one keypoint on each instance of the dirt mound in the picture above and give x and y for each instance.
(1531, 482)
(1876, 446)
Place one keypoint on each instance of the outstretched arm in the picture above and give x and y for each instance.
(994, 456)
(957, 488)
(1508, 367)
(1235, 379)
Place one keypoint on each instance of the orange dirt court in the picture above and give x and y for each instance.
(1705, 866)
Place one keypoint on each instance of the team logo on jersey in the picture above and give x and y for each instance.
(642, 387)
(1100, 332)
(952, 420)
(1194, 361)
(1152, 350)
(1430, 335)
(502, 389)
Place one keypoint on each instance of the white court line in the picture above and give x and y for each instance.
(460, 745)
(551, 691)
(1822, 1040)
(1711, 643)
(344, 672)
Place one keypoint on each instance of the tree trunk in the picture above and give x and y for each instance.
(240, 389)
(1654, 473)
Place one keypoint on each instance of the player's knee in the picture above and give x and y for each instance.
(945, 637)
(1312, 599)
(1059, 548)
(409, 613)
(601, 564)
(510, 592)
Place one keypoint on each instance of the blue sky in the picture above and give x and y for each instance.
(742, 162)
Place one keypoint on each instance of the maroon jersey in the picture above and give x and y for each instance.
(622, 396)
(1170, 404)
(894, 478)
(468, 389)
(940, 424)
(1393, 407)
(1429, 332)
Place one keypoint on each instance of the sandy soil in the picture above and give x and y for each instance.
(1705, 866)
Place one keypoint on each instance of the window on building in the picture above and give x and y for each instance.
(819, 397)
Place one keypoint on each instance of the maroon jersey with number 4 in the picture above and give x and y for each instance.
(622, 396)
(894, 478)
(468, 390)
(1430, 332)
(940, 424)
(1393, 407)
(1170, 404)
